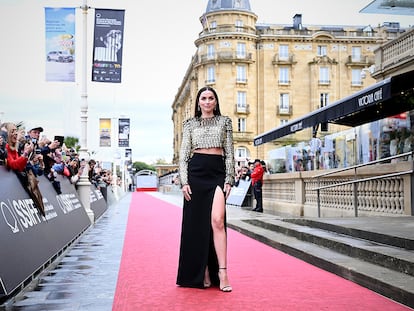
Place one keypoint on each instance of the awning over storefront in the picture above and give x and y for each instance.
(386, 98)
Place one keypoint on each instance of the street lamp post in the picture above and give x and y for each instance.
(84, 185)
(84, 90)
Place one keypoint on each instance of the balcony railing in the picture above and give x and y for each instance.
(264, 31)
(243, 136)
(324, 82)
(362, 60)
(241, 81)
(225, 56)
(284, 60)
(283, 82)
(242, 109)
(395, 52)
(228, 29)
(285, 111)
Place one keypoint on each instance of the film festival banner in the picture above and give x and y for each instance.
(107, 49)
(28, 240)
(60, 44)
(104, 132)
(123, 136)
(128, 153)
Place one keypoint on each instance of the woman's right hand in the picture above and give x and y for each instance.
(187, 192)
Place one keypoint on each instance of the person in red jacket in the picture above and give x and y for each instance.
(257, 184)
(15, 161)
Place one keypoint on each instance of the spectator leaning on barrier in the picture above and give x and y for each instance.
(91, 173)
(15, 161)
(18, 163)
(75, 171)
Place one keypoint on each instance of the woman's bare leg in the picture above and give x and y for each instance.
(220, 236)
(207, 281)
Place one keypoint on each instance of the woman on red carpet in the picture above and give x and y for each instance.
(206, 175)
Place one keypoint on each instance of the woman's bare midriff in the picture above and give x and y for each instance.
(217, 151)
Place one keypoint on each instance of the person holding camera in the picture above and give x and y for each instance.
(244, 174)
(35, 160)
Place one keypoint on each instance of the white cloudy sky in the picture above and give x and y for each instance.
(158, 46)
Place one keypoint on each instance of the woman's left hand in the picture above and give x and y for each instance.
(227, 188)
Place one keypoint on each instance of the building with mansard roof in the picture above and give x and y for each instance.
(269, 74)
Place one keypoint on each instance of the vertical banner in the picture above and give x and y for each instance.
(123, 136)
(128, 154)
(104, 132)
(60, 44)
(107, 49)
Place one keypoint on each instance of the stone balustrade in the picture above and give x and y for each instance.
(294, 194)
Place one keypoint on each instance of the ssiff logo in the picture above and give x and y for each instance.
(20, 214)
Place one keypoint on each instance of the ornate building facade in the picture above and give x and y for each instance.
(268, 74)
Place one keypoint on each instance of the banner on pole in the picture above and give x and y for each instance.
(107, 49)
(128, 153)
(123, 133)
(60, 44)
(104, 132)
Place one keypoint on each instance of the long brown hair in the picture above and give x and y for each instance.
(197, 112)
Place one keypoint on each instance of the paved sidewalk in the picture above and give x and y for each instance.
(85, 278)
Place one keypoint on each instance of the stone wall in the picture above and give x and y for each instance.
(294, 194)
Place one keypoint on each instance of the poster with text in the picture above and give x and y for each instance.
(60, 44)
(108, 45)
(104, 132)
(123, 134)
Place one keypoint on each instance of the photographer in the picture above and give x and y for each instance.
(35, 159)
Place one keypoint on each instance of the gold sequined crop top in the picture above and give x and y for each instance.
(215, 132)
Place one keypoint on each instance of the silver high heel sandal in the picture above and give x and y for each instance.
(225, 288)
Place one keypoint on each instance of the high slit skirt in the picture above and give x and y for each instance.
(205, 173)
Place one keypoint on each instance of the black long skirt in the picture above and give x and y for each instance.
(205, 173)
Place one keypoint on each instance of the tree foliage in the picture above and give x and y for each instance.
(72, 142)
(138, 166)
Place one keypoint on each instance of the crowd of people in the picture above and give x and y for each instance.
(24, 151)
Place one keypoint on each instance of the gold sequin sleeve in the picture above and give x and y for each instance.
(185, 152)
(229, 151)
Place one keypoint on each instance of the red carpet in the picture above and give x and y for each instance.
(262, 278)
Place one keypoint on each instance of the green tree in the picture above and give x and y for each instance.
(138, 166)
(72, 142)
